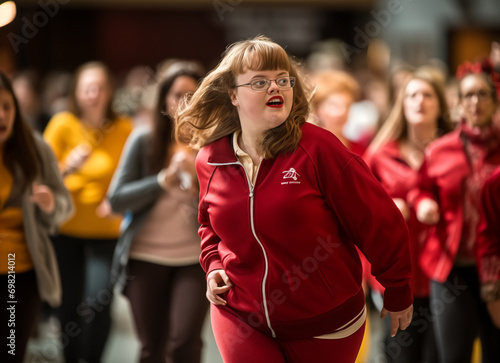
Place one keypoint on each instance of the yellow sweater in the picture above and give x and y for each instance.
(88, 185)
(13, 245)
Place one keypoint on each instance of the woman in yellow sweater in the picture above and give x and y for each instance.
(87, 140)
(33, 202)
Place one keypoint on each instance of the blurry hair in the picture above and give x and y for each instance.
(483, 69)
(19, 148)
(333, 81)
(162, 135)
(395, 128)
(73, 106)
(400, 70)
(210, 115)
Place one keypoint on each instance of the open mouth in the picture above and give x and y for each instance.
(3, 128)
(275, 102)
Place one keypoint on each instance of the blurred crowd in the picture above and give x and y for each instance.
(428, 134)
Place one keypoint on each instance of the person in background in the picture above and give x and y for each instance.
(26, 87)
(283, 205)
(335, 93)
(87, 141)
(55, 91)
(419, 116)
(366, 116)
(33, 202)
(156, 259)
(488, 246)
(451, 177)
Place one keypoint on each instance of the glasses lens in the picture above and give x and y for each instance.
(260, 84)
(283, 82)
(482, 95)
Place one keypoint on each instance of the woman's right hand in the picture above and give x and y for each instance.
(180, 171)
(167, 177)
(217, 283)
(428, 211)
(76, 158)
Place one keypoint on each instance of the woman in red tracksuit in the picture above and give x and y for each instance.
(450, 180)
(419, 116)
(283, 205)
(488, 246)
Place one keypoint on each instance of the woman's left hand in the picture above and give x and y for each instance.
(399, 319)
(104, 210)
(43, 197)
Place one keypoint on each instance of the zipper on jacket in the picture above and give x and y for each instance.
(266, 262)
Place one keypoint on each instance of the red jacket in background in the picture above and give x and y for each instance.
(442, 177)
(488, 243)
(288, 244)
(398, 179)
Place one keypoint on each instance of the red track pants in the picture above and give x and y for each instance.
(238, 342)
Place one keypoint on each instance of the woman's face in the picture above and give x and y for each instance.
(181, 86)
(93, 92)
(7, 115)
(333, 111)
(260, 111)
(478, 104)
(421, 103)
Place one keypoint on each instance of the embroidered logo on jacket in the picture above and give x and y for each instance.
(291, 174)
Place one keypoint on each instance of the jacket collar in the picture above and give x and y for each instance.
(221, 151)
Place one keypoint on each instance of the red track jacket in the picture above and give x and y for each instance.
(288, 244)
(488, 242)
(398, 179)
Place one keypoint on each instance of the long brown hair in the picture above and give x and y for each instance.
(162, 135)
(210, 115)
(73, 106)
(19, 148)
(395, 128)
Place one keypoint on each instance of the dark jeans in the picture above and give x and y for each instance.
(461, 316)
(84, 265)
(169, 307)
(21, 315)
(417, 343)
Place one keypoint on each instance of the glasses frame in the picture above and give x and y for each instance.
(291, 81)
(480, 95)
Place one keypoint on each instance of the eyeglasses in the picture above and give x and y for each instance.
(481, 95)
(264, 84)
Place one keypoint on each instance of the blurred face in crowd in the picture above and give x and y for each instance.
(262, 110)
(477, 100)
(7, 115)
(93, 92)
(333, 111)
(421, 103)
(26, 95)
(181, 86)
(495, 55)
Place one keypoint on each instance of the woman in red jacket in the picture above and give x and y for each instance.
(283, 205)
(450, 180)
(419, 116)
(488, 246)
